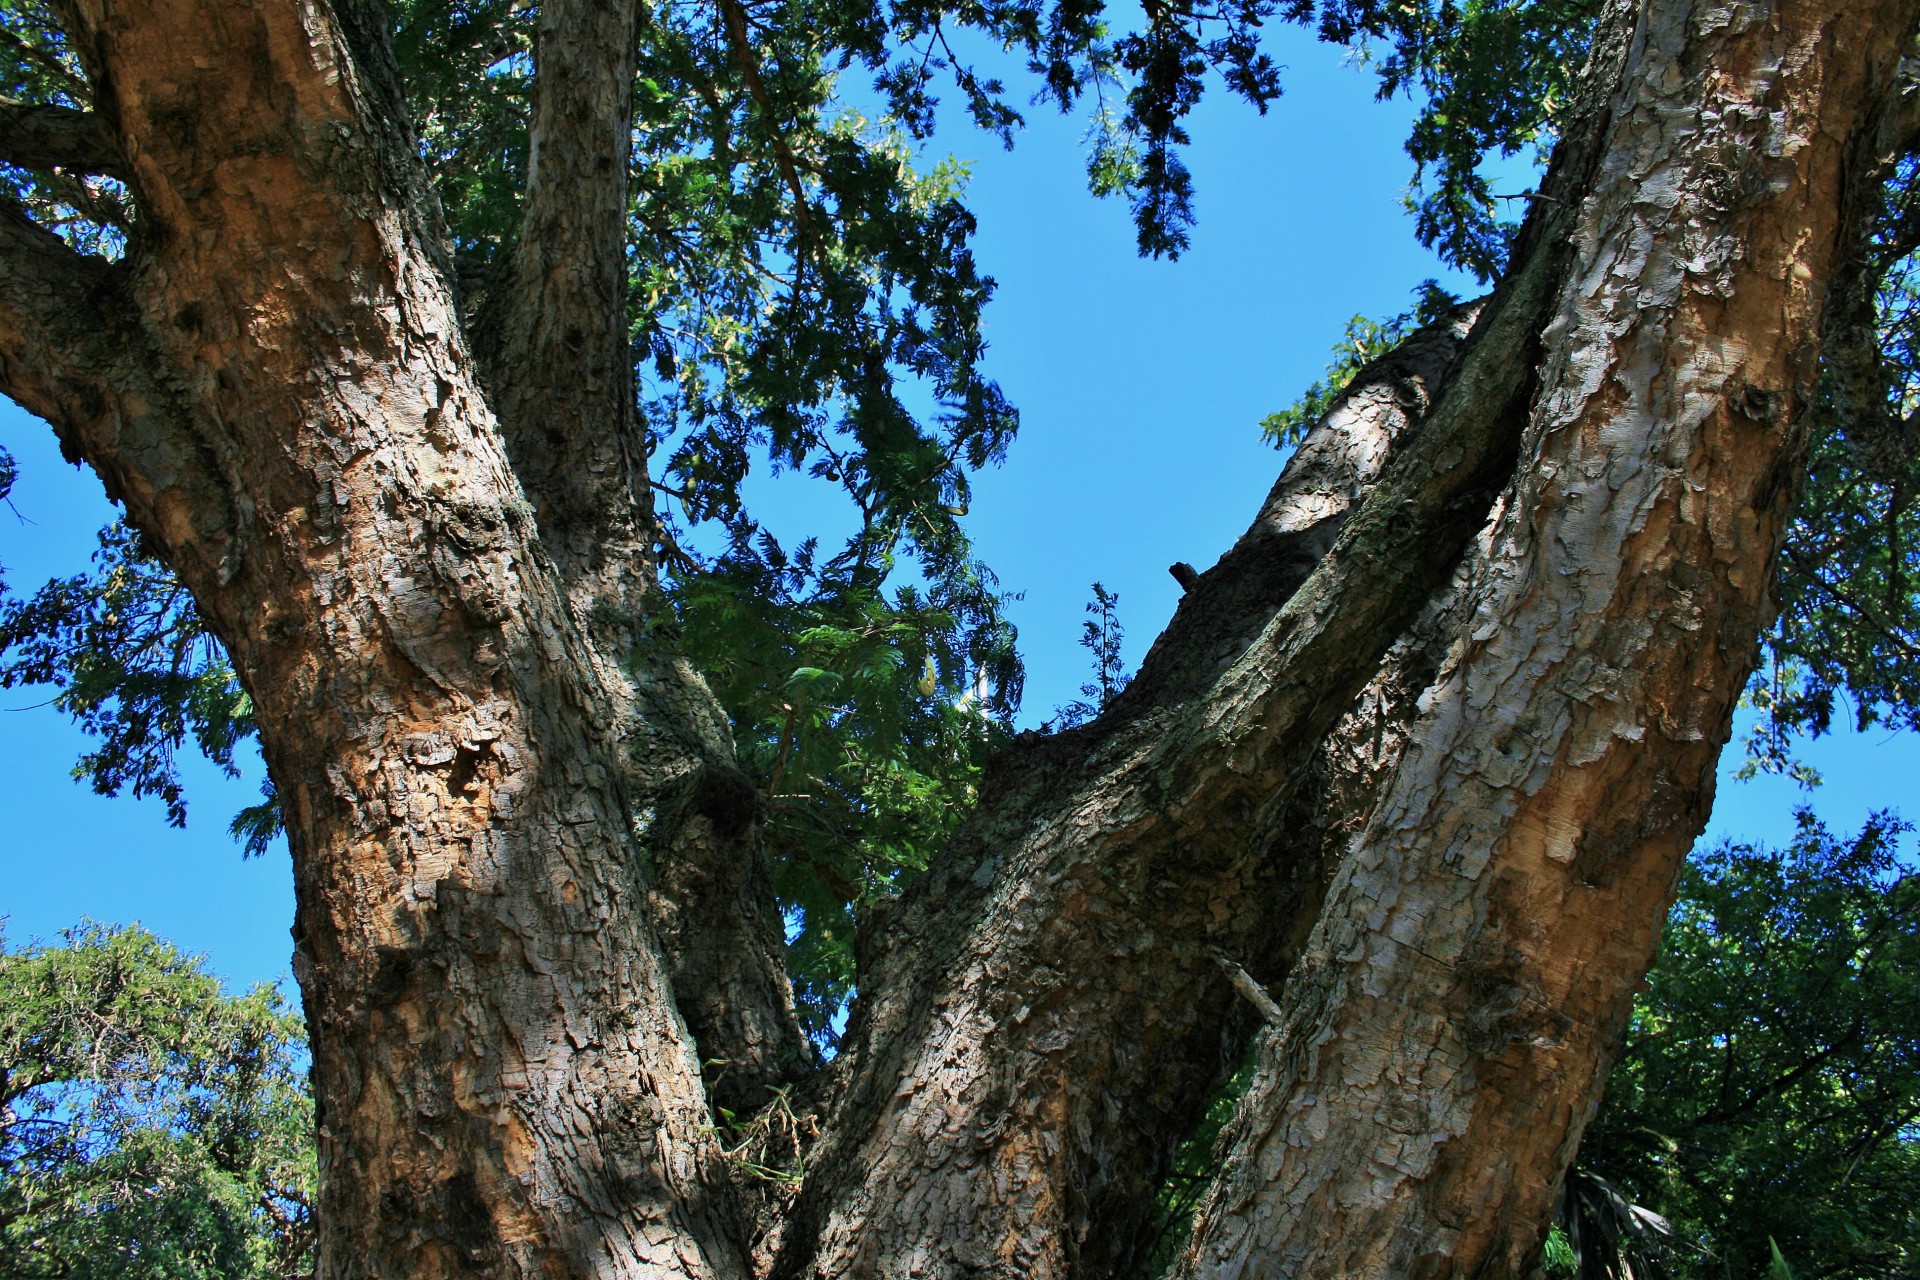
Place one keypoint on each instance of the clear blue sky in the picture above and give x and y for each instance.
(1140, 386)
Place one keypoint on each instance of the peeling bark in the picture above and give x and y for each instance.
(1426, 746)
(1463, 991)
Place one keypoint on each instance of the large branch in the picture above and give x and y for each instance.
(72, 351)
(49, 137)
(555, 355)
(1050, 1017)
(552, 335)
(1071, 1021)
(1466, 986)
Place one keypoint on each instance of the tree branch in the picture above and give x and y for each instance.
(48, 137)
(72, 352)
(1467, 980)
(1067, 934)
(743, 56)
(558, 371)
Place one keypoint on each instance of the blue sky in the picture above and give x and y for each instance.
(1140, 385)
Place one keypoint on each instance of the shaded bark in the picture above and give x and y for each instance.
(43, 137)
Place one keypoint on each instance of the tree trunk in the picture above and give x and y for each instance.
(1463, 992)
(1425, 747)
(503, 1084)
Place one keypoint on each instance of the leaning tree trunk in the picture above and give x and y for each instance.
(1447, 1031)
(1426, 745)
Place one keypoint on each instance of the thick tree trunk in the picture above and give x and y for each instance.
(1426, 745)
(1462, 994)
(503, 1084)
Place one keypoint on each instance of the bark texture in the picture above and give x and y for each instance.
(1425, 747)
(1050, 1015)
(503, 1085)
(1464, 988)
(553, 348)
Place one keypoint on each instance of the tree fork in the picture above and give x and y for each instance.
(502, 1081)
(1104, 866)
(277, 383)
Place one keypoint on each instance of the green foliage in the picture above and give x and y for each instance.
(467, 67)
(133, 666)
(1557, 1258)
(1767, 1101)
(93, 214)
(1849, 590)
(150, 1127)
(1489, 76)
(1101, 636)
(864, 715)
(1192, 1172)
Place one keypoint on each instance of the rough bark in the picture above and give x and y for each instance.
(1464, 989)
(551, 337)
(432, 569)
(1049, 1016)
(503, 1085)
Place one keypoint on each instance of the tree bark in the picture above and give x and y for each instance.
(1425, 746)
(503, 1084)
(1464, 989)
(551, 339)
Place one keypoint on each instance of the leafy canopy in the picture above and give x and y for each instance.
(1767, 1101)
(151, 1127)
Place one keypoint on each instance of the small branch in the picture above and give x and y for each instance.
(72, 85)
(1255, 993)
(780, 762)
(736, 23)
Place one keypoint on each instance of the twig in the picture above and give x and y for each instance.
(1255, 993)
(736, 22)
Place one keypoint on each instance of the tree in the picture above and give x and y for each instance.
(149, 1125)
(1765, 1098)
(1428, 745)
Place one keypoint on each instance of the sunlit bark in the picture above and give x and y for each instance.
(1420, 754)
